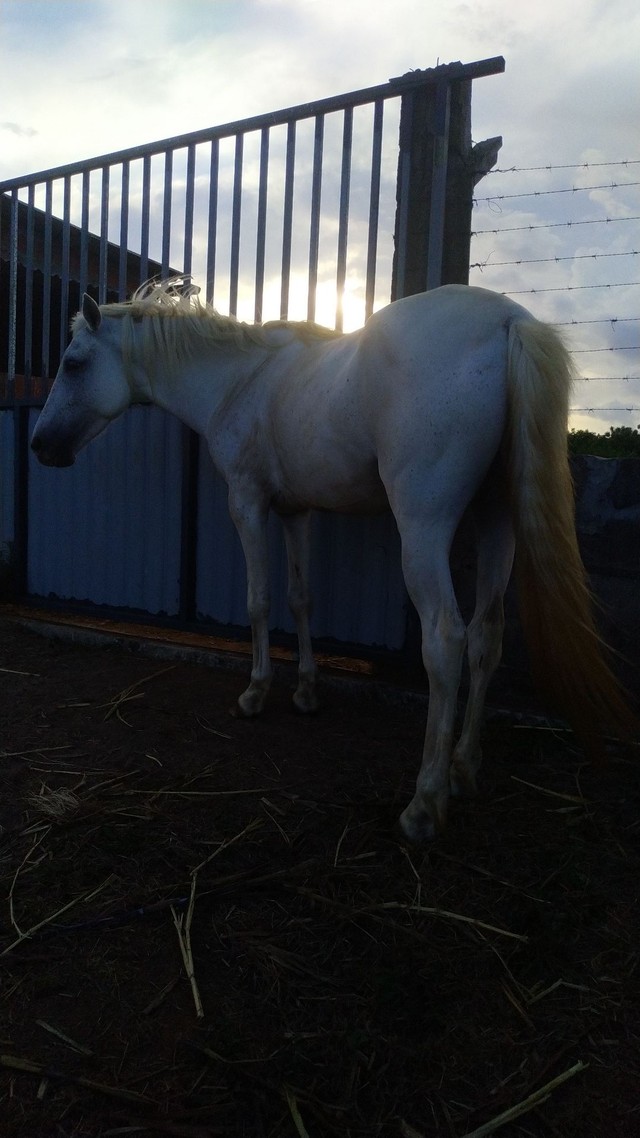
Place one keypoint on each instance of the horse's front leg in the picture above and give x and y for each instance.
(250, 520)
(297, 537)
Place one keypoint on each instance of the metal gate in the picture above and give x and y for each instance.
(323, 211)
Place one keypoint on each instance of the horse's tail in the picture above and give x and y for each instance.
(567, 654)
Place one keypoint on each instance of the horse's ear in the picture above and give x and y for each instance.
(91, 312)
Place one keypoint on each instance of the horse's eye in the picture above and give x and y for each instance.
(73, 364)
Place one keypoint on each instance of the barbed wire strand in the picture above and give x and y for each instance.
(570, 288)
(548, 193)
(601, 320)
(555, 225)
(551, 260)
(494, 200)
(566, 166)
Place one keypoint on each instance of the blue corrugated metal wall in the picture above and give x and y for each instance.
(356, 579)
(7, 444)
(107, 530)
(358, 588)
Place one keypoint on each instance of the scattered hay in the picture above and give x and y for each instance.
(210, 927)
(54, 803)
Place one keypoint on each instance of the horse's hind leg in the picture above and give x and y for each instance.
(425, 560)
(495, 546)
(296, 532)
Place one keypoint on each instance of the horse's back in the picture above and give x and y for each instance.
(419, 393)
(452, 319)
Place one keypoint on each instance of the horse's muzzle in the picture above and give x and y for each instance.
(52, 456)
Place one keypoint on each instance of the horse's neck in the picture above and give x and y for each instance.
(200, 388)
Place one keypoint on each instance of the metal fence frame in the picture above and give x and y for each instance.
(59, 256)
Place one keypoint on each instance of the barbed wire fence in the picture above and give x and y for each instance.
(569, 245)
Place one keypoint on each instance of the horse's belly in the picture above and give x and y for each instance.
(340, 490)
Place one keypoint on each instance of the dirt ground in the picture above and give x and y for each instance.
(210, 927)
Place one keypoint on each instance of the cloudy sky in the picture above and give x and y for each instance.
(86, 77)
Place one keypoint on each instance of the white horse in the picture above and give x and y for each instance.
(447, 401)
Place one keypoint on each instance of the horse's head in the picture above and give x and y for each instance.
(89, 391)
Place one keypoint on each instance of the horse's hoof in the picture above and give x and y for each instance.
(236, 712)
(249, 704)
(305, 704)
(415, 830)
(413, 835)
(424, 818)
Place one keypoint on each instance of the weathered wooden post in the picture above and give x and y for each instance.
(438, 168)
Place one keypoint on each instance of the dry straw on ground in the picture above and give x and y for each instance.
(210, 926)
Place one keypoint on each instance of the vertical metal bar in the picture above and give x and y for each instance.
(123, 254)
(84, 233)
(145, 217)
(402, 193)
(166, 214)
(435, 238)
(188, 210)
(46, 281)
(20, 409)
(28, 286)
(261, 235)
(316, 195)
(104, 236)
(374, 209)
(4, 361)
(287, 223)
(343, 224)
(212, 222)
(20, 500)
(190, 477)
(190, 443)
(13, 287)
(236, 213)
(64, 267)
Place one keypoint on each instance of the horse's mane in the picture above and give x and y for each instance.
(169, 320)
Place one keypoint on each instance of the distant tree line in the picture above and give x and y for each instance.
(617, 442)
